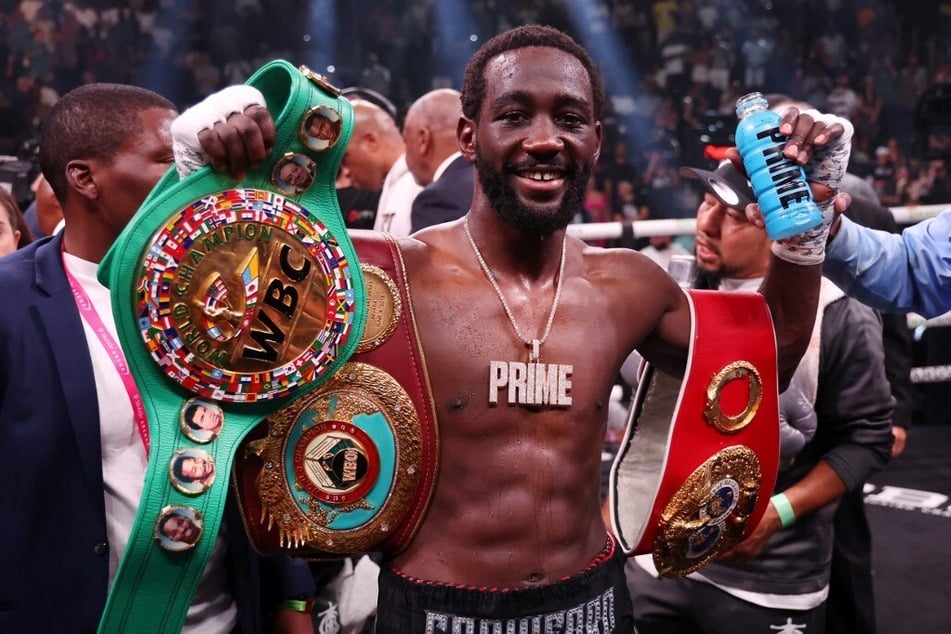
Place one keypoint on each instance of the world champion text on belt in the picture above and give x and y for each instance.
(244, 295)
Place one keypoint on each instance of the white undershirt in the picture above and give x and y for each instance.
(748, 285)
(805, 601)
(445, 165)
(124, 464)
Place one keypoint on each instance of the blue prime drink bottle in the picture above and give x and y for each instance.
(778, 182)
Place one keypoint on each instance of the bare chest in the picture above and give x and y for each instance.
(474, 355)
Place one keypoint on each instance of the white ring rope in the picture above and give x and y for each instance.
(687, 226)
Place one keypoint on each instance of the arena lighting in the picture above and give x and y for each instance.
(321, 40)
(158, 75)
(455, 27)
(596, 33)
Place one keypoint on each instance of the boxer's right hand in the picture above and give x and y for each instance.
(231, 129)
(240, 143)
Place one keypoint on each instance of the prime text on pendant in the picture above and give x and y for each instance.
(531, 383)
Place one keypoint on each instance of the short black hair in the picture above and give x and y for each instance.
(91, 122)
(353, 93)
(532, 35)
(178, 469)
(163, 521)
(189, 415)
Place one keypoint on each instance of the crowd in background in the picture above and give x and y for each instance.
(674, 69)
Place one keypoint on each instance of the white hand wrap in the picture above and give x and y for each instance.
(215, 108)
(827, 167)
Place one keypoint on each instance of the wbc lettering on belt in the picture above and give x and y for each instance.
(221, 317)
(244, 296)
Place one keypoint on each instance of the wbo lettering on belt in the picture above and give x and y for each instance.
(699, 460)
(232, 300)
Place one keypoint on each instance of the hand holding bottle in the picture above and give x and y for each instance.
(821, 143)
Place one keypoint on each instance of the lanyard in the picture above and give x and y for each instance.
(88, 312)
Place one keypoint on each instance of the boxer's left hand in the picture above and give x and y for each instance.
(840, 203)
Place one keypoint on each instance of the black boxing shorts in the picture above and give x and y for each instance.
(594, 600)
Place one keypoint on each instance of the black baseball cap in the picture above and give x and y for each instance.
(725, 183)
(366, 94)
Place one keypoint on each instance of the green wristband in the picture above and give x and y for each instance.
(297, 605)
(784, 509)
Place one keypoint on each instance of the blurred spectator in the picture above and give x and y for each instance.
(911, 82)
(433, 156)
(833, 50)
(595, 206)
(358, 206)
(616, 170)
(675, 52)
(867, 119)
(842, 100)
(664, 13)
(662, 181)
(754, 53)
(883, 173)
(935, 186)
(375, 75)
(662, 248)
(14, 233)
(376, 160)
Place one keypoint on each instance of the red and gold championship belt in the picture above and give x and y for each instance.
(698, 463)
(350, 467)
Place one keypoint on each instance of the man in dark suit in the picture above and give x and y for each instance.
(72, 453)
(432, 155)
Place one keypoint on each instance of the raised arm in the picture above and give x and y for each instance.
(903, 272)
(822, 144)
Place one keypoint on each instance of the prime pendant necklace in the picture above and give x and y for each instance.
(532, 383)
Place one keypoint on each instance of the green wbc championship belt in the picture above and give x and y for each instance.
(231, 300)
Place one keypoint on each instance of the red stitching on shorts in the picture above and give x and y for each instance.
(605, 555)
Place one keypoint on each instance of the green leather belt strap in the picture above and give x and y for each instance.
(230, 300)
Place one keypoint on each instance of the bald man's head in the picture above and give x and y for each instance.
(429, 132)
(375, 145)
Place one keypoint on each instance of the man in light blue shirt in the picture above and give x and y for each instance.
(903, 272)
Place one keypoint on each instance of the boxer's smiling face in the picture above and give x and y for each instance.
(536, 140)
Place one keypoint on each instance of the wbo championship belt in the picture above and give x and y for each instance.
(231, 300)
(351, 466)
(699, 460)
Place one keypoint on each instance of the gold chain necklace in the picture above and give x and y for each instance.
(533, 344)
(533, 383)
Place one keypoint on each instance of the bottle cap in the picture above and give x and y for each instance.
(750, 102)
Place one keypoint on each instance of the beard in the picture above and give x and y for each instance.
(525, 216)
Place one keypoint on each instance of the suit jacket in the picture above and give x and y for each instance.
(446, 198)
(54, 563)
